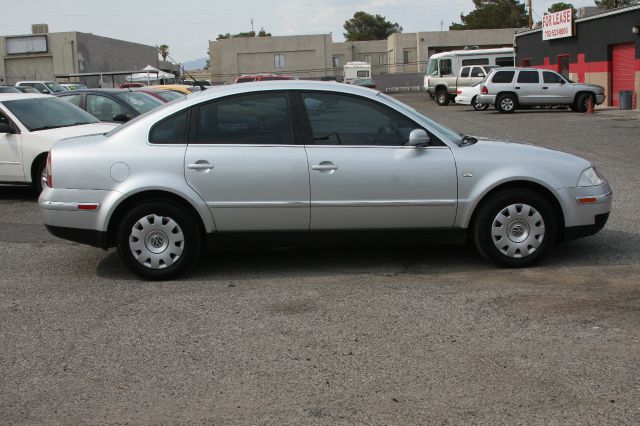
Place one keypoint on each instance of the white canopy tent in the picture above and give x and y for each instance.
(152, 75)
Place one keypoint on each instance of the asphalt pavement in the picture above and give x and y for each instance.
(335, 335)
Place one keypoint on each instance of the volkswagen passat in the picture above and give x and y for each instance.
(305, 158)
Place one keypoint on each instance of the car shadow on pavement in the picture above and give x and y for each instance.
(608, 248)
(17, 193)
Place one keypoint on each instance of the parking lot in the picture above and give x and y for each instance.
(389, 335)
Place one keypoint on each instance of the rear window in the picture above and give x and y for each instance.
(528, 77)
(476, 61)
(245, 79)
(503, 77)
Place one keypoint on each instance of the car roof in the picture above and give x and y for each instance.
(35, 81)
(104, 91)
(16, 96)
(519, 69)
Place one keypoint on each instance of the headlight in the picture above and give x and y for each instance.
(590, 177)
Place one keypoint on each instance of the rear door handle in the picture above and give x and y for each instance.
(517, 87)
(324, 166)
(545, 88)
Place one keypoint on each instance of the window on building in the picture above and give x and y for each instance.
(476, 61)
(526, 62)
(505, 62)
(279, 60)
(528, 77)
(367, 58)
(445, 67)
(382, 58)
(336, 61)
(405, 57)
(259, 119)
(464, 72)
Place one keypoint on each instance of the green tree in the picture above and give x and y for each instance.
(364, 26)
(613, 4)
(164, 51)
(248, 34)
(490, 14)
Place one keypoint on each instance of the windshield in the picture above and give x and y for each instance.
(55, 87)
(48, 113)
(141, 102)
(432, 68)
(450, 134)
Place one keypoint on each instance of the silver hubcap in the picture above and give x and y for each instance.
(518, 230)
(506, 104)
(441, 97)
(157, 242)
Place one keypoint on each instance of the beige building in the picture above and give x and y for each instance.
(317, 56)
(42, 55)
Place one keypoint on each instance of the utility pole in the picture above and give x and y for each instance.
(530, 14)
(251, 20)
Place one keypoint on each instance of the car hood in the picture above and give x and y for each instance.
(73, 131)
(556, 169)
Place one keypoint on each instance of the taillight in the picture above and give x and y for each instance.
(458, 91)
(484, 90)
(49, 177)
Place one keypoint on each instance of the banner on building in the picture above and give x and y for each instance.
(557, 25)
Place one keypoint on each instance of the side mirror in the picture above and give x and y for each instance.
(5, 128)
(562, 82)
(46, 92)
(121, 118)
(418, 137)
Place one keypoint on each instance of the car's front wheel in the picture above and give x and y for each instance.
(582, 103)
(506, 104)
(515, 228)
(158, 240)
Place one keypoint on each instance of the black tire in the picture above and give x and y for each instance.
(478, 106)
(39, 172)
(582, 103)
(490, 219)
(506, 103)
(188, 230)
(442, 97)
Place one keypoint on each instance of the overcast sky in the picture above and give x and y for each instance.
(187, 25)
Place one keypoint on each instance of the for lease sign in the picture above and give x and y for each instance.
(557, 25)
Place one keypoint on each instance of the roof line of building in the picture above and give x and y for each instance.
(589, 18)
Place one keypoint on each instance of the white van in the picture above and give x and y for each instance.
(355, 70)
(443, 68)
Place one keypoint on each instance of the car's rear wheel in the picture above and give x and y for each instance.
(477, 105)
(442, 97)
(506, 104)
(158, 240)
(582, 103)
(40, 176)
(515, 228)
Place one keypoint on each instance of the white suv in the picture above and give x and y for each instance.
(510, 88)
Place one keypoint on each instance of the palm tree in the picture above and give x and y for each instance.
(164, 51)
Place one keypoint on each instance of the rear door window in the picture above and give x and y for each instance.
(73, 99)
(171, 130)
(528, 77)
(103, 108)
(503, 77)
(256, 119)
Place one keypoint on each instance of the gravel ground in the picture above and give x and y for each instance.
(336, 336)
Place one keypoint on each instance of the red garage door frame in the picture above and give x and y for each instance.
(623, 58)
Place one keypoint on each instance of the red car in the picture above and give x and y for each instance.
(263, 77)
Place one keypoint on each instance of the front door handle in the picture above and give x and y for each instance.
(517, 87)
(545, 88)
(324, 166)
(200, 165)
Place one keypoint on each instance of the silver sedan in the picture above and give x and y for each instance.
(301, 159)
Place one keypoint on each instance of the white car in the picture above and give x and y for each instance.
(29, 125)
(469, 96)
